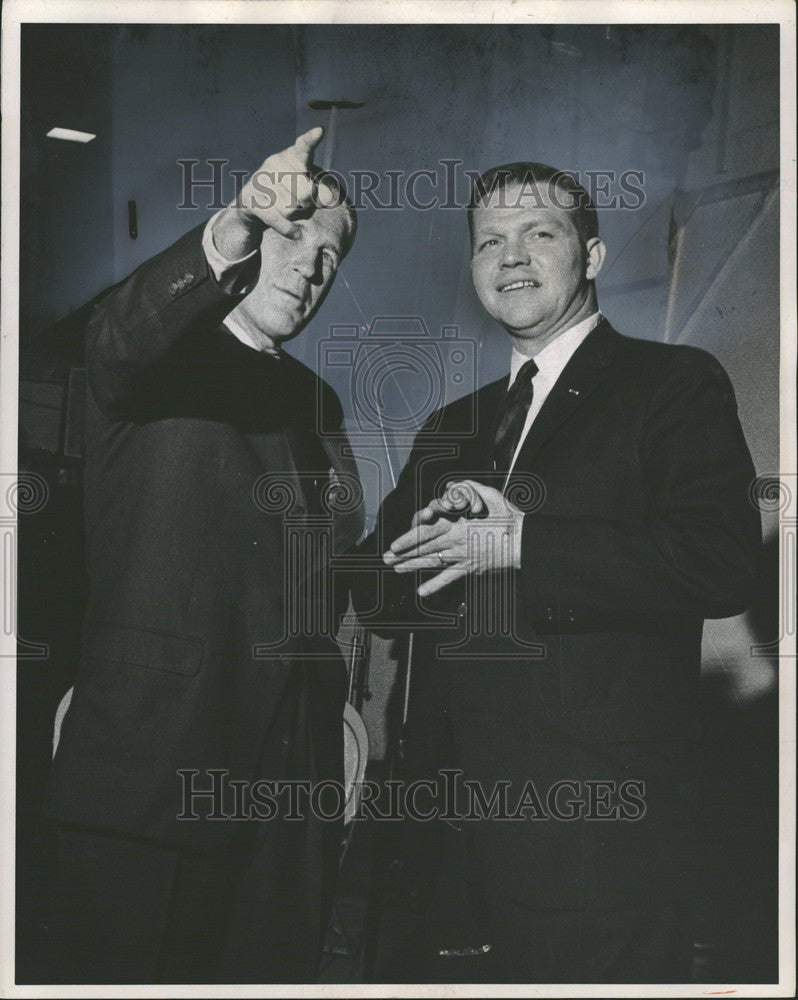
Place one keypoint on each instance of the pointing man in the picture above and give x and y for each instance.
(191, 679)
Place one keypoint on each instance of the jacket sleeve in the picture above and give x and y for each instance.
(695, 553)
(386, 602)
(134, 327)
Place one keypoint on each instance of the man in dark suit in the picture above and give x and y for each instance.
(566, 547)
(208, 657)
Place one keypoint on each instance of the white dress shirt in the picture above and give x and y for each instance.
(551, 361)
(236, 277)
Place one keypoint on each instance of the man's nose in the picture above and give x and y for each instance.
(306, 259)
(515, 253)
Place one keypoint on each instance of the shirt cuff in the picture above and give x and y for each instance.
(236, 277)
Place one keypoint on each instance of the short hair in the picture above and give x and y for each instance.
(337, 185)
(585, 217)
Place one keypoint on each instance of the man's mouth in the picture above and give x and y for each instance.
(294, 295)
(516, 285)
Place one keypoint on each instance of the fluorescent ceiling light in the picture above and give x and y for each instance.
(71, 135)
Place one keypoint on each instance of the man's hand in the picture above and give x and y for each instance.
(459, 499)
(273, 196)
(487, 540)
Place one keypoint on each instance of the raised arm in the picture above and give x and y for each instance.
(195, 283)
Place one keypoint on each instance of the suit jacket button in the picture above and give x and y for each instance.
(188, 277)
(462, 609)
(571, 616)
(549, 615)
(173, 288)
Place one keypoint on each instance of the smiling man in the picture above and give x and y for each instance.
(535, 254)
(192, 687)
(557, 566)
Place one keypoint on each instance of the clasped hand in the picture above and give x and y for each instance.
(472, 529)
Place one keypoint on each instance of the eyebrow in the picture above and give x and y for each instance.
(325, 241)
(481, 234)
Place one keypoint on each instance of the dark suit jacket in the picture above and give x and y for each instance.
(204, 466)
(635, 476)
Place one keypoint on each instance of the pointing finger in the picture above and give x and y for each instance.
(306, 143)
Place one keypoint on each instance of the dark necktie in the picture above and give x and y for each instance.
(512, 415)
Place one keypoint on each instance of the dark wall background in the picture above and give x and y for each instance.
(696, 108)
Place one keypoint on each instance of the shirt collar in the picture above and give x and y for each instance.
(240, 332)
(556, 355)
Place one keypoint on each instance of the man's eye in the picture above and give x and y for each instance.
(330, 258)
(541, 234)
(488, 243)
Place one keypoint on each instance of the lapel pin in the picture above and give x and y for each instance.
(574, 392)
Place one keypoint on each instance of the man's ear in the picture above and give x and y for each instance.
(596, 252)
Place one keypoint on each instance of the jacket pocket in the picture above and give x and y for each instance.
(141, 647)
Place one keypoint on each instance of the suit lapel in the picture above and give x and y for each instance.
(348, 513)
(340, 476)
(579, 379)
